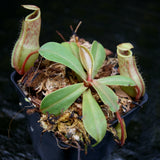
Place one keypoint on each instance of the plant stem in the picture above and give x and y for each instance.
(89, 78)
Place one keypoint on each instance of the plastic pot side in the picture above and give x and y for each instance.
(46, 145)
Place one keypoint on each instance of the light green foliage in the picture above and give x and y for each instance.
(99, 56)
(117, 80)
(84, 63)
(58, 53)
(93, 118)
(61, 99)
(72, 46)
(107, 95)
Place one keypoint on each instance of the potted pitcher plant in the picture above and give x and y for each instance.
(78, 91)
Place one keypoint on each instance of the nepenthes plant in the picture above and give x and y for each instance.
(76, 97)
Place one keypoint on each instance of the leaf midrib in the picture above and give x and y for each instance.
(68, 59)
(95, 69)
(68, 95)
(100, 88)
(90, 104)
(97, 50)
(106, 80)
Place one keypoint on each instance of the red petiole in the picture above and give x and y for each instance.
(122, 128)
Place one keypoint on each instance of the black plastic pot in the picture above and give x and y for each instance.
(46, 146)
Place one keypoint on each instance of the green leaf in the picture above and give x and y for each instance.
(117, 80)
(72, 46)
(93, 118)
(99, 56)
(58, 53)
(59, 100)
(107, 95)
(86, 59)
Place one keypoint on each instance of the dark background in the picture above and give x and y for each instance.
(110, 22)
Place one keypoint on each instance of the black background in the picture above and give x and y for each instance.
(110, 22)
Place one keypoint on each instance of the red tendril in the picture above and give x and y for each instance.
(122, 128)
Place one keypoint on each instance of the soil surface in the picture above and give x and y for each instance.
(109, 22)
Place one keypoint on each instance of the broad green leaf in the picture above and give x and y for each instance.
(72, 46)
(117, 80)
(93, 118)
(86, 59)
(107, 95)
(58, 53)
(99, 56)
(59, 100)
